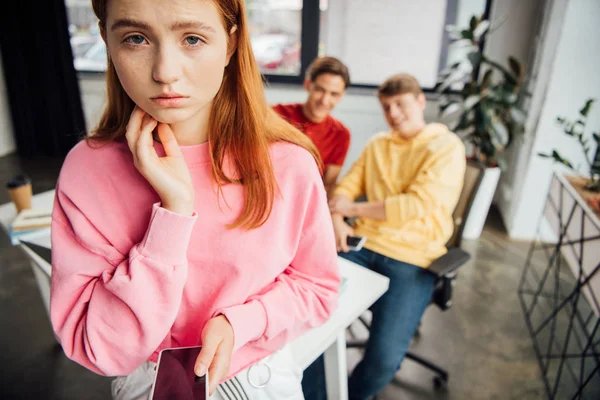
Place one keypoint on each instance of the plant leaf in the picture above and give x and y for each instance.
(471, 101)
(454, 77)
(487, 78)
(475, 57)
(501, 162)
(515, 67)
(568, 128)
(500, 136)
(464, 121)
(518, 115)
(596, 138)
(557, 158)
(466, 34)
(447, 71)
(586, 108)
(450, 109)
(509, 98)
(507, 75)
(481, 29)
(483, 123)
(451, 28)
(487, 148)
(574, 128)
(596, 162)
(463, 45)
(473, 23)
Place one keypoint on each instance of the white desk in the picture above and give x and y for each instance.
(362, 289)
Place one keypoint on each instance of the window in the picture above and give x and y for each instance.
(89, 52)
(275, 29)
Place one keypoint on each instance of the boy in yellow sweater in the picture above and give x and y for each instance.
(411, 176)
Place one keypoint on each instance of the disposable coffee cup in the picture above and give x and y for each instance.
(19, 191)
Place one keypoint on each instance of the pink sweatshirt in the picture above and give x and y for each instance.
(130, 278)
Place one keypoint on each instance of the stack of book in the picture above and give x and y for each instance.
(29, 224)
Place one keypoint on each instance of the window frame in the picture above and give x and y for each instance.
(309, 43)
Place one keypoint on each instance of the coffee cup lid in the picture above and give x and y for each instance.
(18, 181)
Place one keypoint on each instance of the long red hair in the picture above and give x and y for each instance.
(242, 125)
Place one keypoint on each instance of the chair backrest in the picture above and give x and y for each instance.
(473, 177)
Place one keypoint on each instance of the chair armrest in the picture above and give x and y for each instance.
(449, 262)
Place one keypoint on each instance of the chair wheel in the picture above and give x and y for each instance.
(439, 382)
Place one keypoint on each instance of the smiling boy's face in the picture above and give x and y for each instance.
(324, 93)
(404, 113)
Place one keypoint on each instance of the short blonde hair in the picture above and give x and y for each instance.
(399, 84)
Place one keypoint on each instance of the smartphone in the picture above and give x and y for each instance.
(175, 377)
(355, 243)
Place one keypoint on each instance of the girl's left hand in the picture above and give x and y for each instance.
(217, 347)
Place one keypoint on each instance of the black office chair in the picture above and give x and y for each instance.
(445, 267)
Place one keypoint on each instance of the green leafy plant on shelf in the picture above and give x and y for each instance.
(490, 105)
(576, 130)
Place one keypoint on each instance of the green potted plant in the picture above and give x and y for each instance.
(486, 100)
(588, 187)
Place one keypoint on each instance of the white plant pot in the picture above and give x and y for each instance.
(481, 203)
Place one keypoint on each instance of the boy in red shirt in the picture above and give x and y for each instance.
(326, 82)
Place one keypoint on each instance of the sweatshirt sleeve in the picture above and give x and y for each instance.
(352, 184)
(110, 311)
(437, 185)
(305, 294)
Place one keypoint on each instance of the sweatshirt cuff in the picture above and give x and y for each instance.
(168, 236)
(249, 322)
(392, 209)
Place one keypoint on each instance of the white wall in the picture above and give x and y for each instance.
(573, 78)
(7, 141)
(513, 30)
(379, 38)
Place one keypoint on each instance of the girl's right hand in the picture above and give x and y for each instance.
(168, 175)
(342, 231)
(217, 347)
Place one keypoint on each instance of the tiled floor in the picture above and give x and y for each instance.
(32, 363)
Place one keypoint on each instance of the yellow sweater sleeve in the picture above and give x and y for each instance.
(437, 185)
(352, 184)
